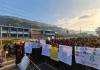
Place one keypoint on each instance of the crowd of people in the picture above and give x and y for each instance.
(10, 50)
(83, 42)
(6, 52)
(18, 49)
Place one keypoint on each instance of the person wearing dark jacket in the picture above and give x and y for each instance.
(22, 49)
(18, 51)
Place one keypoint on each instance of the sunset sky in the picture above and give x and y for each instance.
(70, 14)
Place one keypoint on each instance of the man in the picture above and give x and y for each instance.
(18, 51)
(22, 44)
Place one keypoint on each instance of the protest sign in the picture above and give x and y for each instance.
(24, 63)
(65, 54)
(28, 47)
(46, 50)
(88, 56)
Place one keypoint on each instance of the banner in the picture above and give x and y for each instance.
(46, 50)
(24, 63)
(54, 53)
(65, 54)
(28, 47)
(42, 41)
(33, 44)
(38, 45)
(88, 56)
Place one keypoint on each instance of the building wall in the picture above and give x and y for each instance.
(14, 32)
(36, 33)
(48, 33)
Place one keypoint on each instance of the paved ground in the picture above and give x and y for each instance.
(9, 64)
(45, 66)
(12, 68)
(9, 67)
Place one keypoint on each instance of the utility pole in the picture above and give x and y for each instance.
(80, 29)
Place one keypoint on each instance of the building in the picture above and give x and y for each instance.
(36, 33)
(44, 34)
(14, 32)
(48, 33)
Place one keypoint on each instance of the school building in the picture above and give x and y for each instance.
(14, 32)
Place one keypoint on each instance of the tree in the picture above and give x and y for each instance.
(98, 31)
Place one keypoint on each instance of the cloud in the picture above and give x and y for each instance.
(88, 20)
(85, 16)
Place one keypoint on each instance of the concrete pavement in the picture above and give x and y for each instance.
(10, 67)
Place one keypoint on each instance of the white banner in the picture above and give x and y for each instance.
(37, 45)
(46, 49)
(65, 54)
(88, 56)
(33, 44)
(28, 47)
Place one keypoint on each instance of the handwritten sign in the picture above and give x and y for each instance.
(65, 54)
(88, 56)
(28, 47)
(46, 50)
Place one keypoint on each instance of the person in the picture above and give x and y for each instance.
(1, 57)
(54, 51)
(9, 49)
(5, 48)
(22, 44)
(18, 51)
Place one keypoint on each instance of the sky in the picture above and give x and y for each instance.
(69, 14)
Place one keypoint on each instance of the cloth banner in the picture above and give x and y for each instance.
(88, 56)
(28, 47)
(65, 54)
(54, 53)
(24, 63)
(46, 50)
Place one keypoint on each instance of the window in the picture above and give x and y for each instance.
(26, 30)
(13, 35)
(5, 28)
(25, 35)
(20, 35)
(20, 29)
(13, 29)
(4, 35)
(49, 32)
